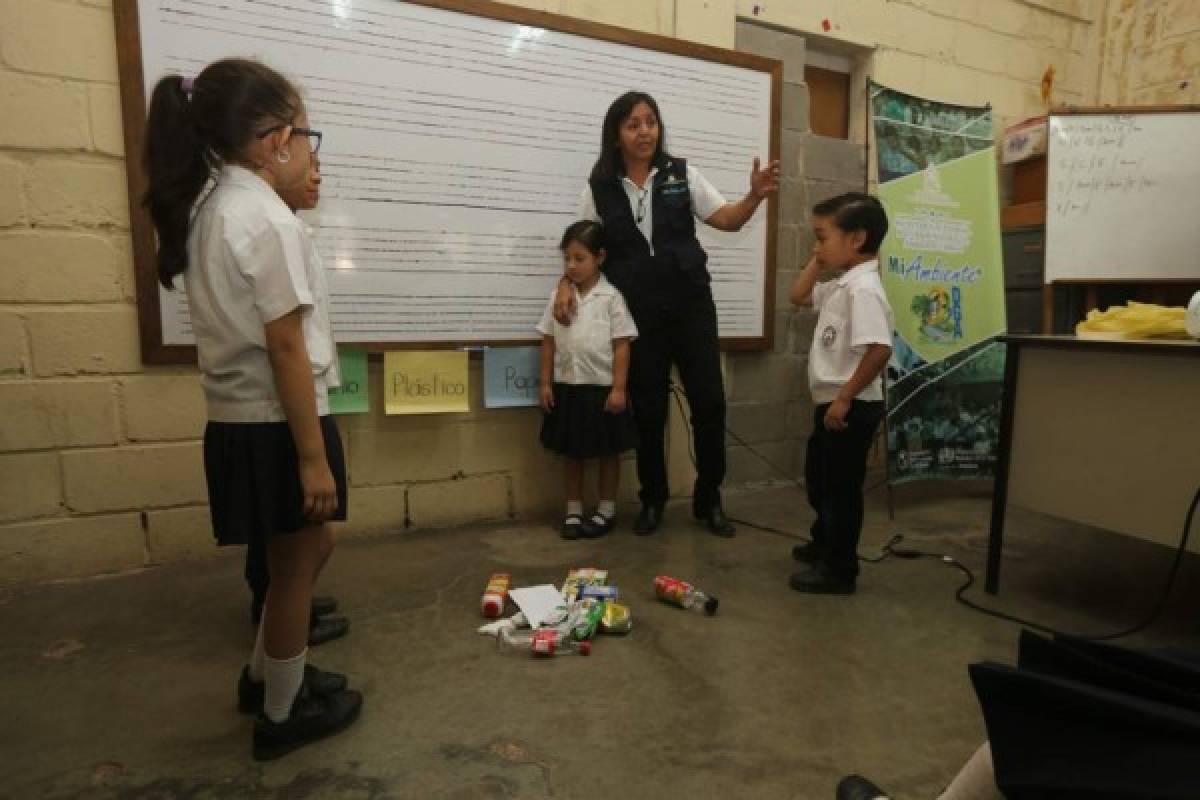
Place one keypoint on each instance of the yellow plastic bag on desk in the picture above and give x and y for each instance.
(1134, 321)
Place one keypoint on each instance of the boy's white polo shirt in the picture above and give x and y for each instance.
(250, 262)
(583, 351)
(852, 312)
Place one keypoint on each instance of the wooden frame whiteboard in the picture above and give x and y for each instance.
(1118, 199)
(708, 75)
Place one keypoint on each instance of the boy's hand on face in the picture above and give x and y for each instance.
(835, 415)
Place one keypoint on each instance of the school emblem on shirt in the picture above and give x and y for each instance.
(828, 336)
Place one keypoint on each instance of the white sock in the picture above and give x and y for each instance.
(283, 677)
(575, 507)
(607, 509)
(258, 654)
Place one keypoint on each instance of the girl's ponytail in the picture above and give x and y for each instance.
(195, 127)
(178, 167)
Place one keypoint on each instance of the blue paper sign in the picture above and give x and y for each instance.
(510, 376)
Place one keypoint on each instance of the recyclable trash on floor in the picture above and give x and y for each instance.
(554, 622)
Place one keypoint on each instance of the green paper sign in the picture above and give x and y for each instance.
(352, 396)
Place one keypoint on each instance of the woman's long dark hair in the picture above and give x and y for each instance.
(192, 130)
(611, 164)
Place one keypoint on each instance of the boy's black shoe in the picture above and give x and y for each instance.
(572, 527)
(326, 629)
(313, 717)
(597, 525)
(251, 692)
(648, 519)
(817, 579)
(856, 787)
(806, 552)
(717, 523)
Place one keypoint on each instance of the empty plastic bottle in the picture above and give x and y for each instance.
(683, 594)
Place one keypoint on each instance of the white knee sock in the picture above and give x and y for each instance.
(976, 780)
(283, 677)
(258, 654)
(607, 509)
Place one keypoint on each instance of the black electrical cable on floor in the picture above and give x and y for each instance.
(890, 550)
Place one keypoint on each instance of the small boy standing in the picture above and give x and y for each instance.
(851, 347)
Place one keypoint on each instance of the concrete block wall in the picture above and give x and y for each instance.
(100, 466)
(1151, 53)
(770, 410)
(959, 51)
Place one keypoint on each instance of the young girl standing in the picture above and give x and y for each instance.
(585, 367)
(221, 150)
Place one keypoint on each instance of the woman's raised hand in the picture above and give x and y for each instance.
(765, 180)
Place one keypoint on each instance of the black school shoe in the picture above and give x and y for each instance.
(856, 787)
(251, 693)
(572, 526)
(313, 717)
(817, 579)
(326, 629)
(715, 520)
(648, 519)
(597, 525)
(806, 552)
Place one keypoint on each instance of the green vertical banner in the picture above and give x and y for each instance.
(352, 396)
(943, 271)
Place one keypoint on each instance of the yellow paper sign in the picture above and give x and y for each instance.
(432, 382)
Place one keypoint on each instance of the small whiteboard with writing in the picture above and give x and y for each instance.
(456, 149)
(1123, 197)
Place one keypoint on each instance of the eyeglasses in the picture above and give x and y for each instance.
(641, 209)
(314, 137)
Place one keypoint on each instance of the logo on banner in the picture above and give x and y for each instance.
(939, 314)
(931, 192)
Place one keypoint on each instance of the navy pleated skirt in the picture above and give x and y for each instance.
(253, 476)
(579, 427)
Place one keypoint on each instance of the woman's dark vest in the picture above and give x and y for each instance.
(677, 253)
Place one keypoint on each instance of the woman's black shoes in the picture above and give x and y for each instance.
(717, 523)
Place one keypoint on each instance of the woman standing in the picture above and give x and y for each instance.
(648, 202)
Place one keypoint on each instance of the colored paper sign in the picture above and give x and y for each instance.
(352, 397)
(430, 382)
(511, 376)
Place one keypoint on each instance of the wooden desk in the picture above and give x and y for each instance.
(1105, 433)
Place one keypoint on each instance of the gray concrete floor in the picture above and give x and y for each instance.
(124, 686)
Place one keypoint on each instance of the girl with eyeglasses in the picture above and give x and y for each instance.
(222, 150)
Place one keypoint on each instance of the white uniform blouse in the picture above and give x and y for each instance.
(583, 350)
(250, 262)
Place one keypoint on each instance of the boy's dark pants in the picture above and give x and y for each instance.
(834, 472)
